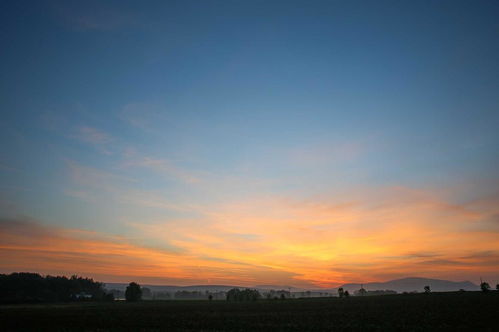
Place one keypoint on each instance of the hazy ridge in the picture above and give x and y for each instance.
(409, 284)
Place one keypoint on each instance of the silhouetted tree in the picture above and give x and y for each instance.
(235, 294)
(427, 289)
(277, 294)
(341, 292)
(484, 286)
(361, 292)
(133, 292)
(380, 292)
(187, 295)
(347, 294)
(497, 287)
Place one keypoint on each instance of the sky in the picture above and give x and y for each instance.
(300, 143)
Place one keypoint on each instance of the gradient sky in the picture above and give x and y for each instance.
(302, 143)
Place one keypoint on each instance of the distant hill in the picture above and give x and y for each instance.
(415, 284)
(169, 288)
(398, 285)
(279, 287)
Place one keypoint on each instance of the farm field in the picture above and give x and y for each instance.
(471, 311)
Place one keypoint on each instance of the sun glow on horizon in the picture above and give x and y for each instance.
(301, 143)
(338, 243)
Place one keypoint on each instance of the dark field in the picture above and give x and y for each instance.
(438, 311)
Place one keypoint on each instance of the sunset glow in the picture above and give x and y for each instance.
(260, 143)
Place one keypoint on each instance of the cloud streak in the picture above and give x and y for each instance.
(94, 16)
(392, 233)
(321, 242)
(365, 234)
(27, 243)
(95, 137)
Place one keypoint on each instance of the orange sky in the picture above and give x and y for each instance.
(300, 143)
(382, 234)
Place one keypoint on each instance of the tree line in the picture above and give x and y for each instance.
(134, 293)
(33, 288)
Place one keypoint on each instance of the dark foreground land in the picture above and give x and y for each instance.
(470, 311)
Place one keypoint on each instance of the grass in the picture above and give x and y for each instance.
(470, 311)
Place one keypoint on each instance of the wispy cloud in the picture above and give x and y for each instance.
(4, 167)
(382, 233)
(89, 183)
(145, 116)
(365, 234)
(385, 232)
(163, 167)
(94, 16)
(49, 249)
(327, 153)
(95, 137)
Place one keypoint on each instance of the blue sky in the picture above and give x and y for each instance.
(121, 115)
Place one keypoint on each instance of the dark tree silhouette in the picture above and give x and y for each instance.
(380, 292)
(133, 292)
(341, 292)
(276, 294)
(427, 289)
(361, 292)
(347, 294)
(484, 286)
(497, 287)
(31, 287)
(235, 294)
(188, 295)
